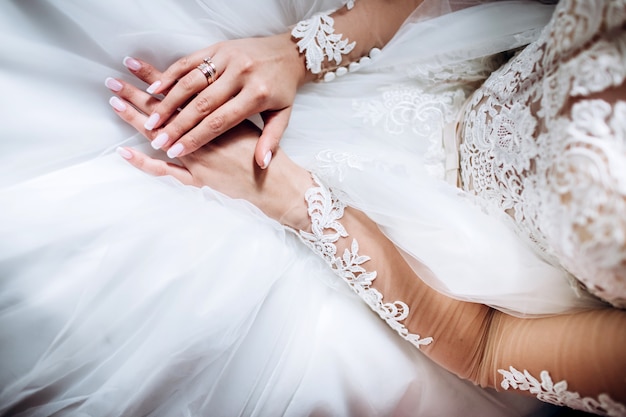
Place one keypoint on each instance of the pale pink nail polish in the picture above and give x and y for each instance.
(131, 63)
(117, 104)
(153, 87)
(152, 121)
(267, 159)
(175, 150)
(113, 84)
(124, 153)
(160, 140)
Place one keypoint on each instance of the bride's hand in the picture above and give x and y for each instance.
(254, 75)
(224, 164)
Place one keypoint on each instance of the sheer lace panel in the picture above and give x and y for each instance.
(545, 140)
(325, 211)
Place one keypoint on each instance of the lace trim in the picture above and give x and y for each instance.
(318, 41)
(547, 391)
(325, 210)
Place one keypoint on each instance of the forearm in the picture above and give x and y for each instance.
(456, 327)
(585, 349)
(327, 42)
(371, 23)
(478, 343)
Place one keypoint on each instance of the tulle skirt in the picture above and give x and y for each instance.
(127, 295)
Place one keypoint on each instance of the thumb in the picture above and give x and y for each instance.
(275, 123)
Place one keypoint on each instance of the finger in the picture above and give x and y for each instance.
(275, 124)
(192, 114)
(218, 122)
(189, 85)
(132, 116)
(137, 119)
(183, 66)
(155, 167)
(128, 92)
(142, 70)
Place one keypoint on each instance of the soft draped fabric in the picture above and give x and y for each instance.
(122, 294)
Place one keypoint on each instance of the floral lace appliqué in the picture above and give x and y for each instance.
(318, 41)
(546, 390)
(540, 142)
(325, 211)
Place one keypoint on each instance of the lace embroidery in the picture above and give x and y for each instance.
(417, 113)
(548, 391)
(325, 210)
(319, 41)
(332, 164)
(409, 109)
(539, 148)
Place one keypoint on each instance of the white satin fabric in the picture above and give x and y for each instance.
(126, 295)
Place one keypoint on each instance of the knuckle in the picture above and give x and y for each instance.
(194, 141)
(139, 161)
(184, 62)
(261, 92)
(203, 105)
(216, 123)
(175, 130)
(247, 65)
(186, 83)
(147, 71)
(160, 170)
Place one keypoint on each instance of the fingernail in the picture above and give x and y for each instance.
(175, 150)
(117, 104)
(160, 140)
(152, 121)
(153, 87)
(113, 84)
(124, 153)
(267, 159)
(131, 63)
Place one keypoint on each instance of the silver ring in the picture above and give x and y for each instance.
(208, 69)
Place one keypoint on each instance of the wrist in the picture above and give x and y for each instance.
(296, 61)
(289, 184)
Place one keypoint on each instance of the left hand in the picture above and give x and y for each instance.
(224, 164)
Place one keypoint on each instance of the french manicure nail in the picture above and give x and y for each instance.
(152, 121)
(113, 84)
(124, 153)
(153, 87)
(117, 104)
(131, 63)
(175, 150)
(160, 140)
(267, 159)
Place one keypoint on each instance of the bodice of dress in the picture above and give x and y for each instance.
(544, 140)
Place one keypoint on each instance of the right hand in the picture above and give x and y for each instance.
(254, 75)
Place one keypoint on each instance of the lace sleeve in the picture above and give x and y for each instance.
(335, 43)
(583, 351)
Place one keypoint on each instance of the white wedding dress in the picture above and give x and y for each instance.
(127, 295)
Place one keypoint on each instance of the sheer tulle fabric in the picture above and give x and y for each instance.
(122, 294)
